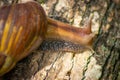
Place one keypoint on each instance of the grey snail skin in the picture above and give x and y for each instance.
(25, 26)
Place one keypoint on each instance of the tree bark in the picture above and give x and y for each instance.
(103, 64)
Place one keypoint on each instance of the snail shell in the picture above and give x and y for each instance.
(22, 29)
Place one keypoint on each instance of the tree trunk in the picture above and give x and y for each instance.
(103, 64)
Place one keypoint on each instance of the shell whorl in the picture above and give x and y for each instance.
(22, 29)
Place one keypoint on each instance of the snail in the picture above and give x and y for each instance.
(24, 26)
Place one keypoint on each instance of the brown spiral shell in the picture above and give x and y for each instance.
(22, 29)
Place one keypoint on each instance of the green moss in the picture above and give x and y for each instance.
(104, 48)
(41, 1)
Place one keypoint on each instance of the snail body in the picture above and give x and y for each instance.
(24, 26)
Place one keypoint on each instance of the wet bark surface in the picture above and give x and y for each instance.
(103, 64)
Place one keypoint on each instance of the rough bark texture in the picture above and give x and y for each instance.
(104, 64)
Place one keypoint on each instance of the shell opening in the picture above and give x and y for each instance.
(6, 63)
